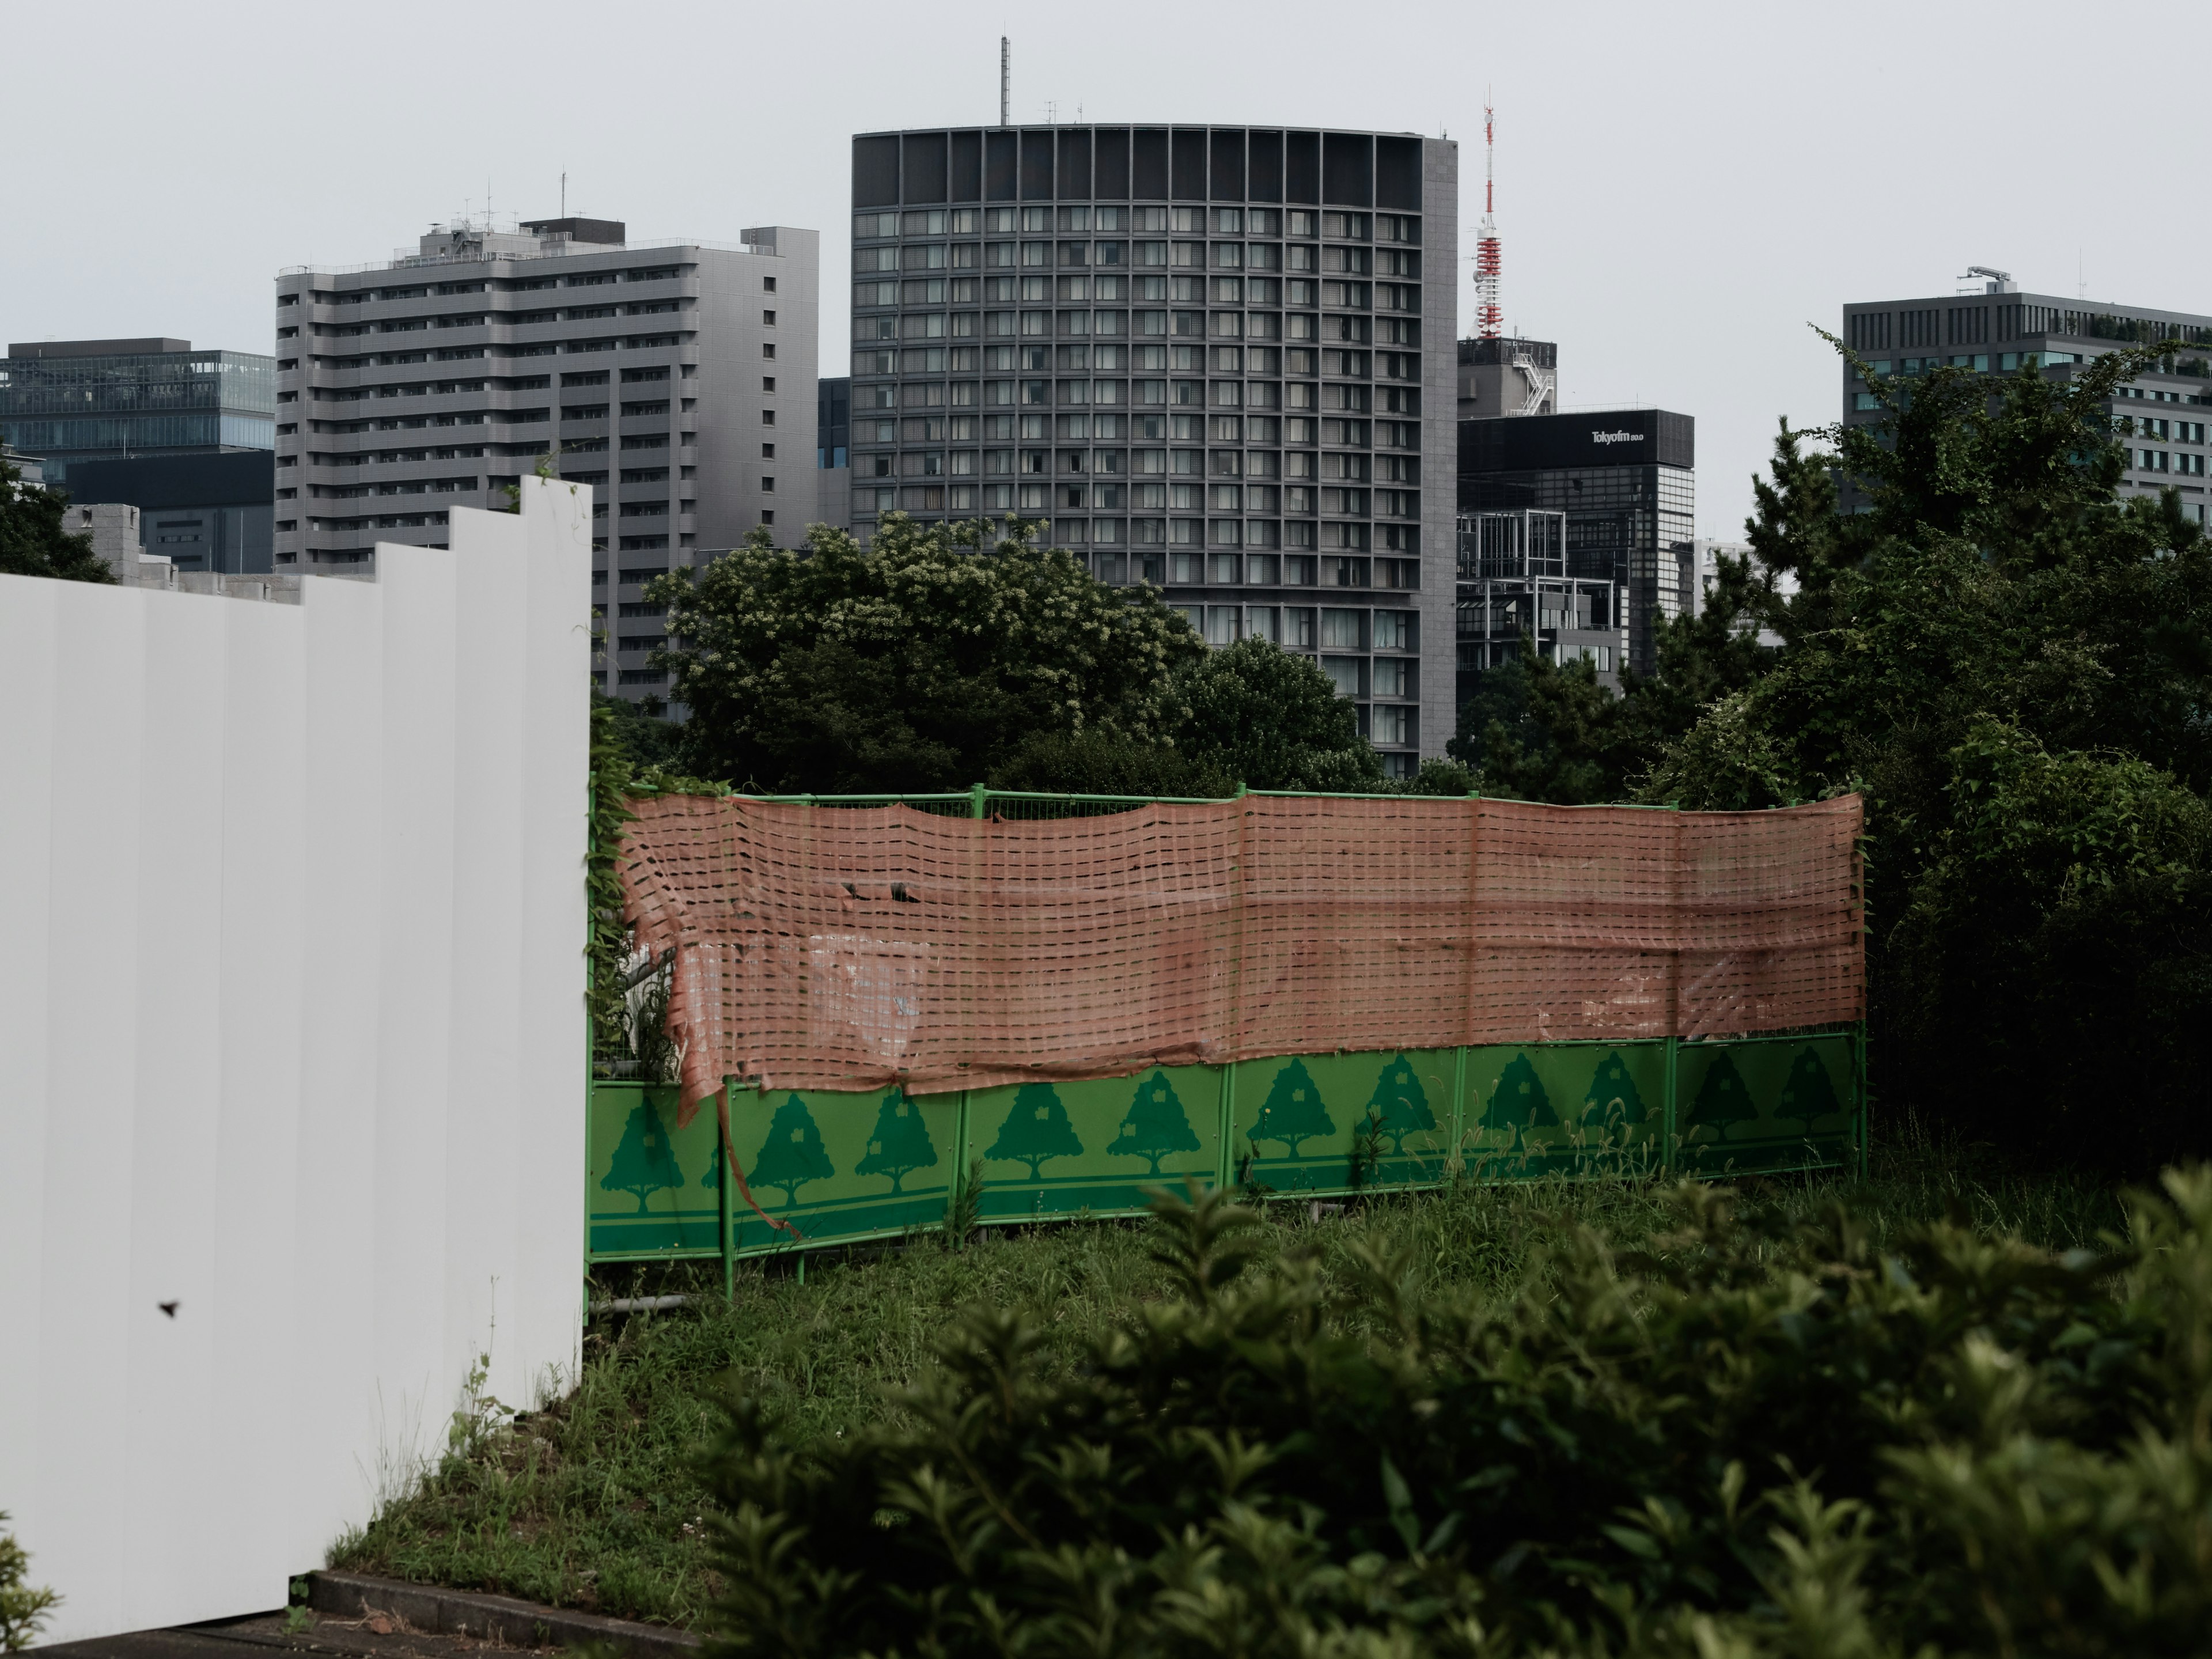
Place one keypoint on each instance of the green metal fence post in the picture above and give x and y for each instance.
(1864, 1065)
(1456, 1164)
(962, 1164)
(1228, 1163)
(1667, 1111)
(591, 1024)
(1224, 1166)
(977, 795)
(729, 1185)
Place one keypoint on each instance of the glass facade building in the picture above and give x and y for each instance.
(833, 422)
(1613, 498)
(73, 401)
(1219, 360)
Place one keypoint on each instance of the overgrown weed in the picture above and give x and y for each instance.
(598, 1502)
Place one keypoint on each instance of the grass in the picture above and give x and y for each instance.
(596, 1503)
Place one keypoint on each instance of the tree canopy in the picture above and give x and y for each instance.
(930, 662)
(33, 542)
(1273, 721)
(921, 662)
(2016, 665)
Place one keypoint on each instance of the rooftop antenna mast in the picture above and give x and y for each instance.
(1006, 81)
(1489, 317)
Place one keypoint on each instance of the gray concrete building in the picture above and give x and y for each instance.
(1218, 360)
(117, 530)
(1990, 327)
(676, 378)
(1506, 377)
(72, 402)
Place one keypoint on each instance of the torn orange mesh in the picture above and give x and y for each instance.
(851, 948)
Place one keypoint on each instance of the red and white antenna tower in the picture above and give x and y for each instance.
(1489, 316)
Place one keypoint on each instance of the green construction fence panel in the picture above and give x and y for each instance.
(1062, 1149)
(1762, 1105)
(840, 1167)
(1329, 1124)
(1564, 1108)
(649, 1188)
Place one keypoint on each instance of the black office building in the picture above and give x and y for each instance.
(1607, 552)
(833, 421)
(200, 512)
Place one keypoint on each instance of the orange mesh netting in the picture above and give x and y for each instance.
(856, 947)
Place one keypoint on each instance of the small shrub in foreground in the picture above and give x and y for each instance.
(1752, 1437)
(23, 1606)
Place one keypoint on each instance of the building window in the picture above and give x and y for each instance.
(768, 383)
(769, 350)
(767, 418)
(768, 516)
(768, 486)
(768, 452)
(768, 319)
(767, 284)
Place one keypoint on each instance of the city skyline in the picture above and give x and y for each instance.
(1675, 192)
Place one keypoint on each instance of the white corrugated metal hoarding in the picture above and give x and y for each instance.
(291, 1035)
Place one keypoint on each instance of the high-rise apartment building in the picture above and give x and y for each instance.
(676, 378)
(74, 401)
(1578, 531)
(1992, 327)
(1218, 359)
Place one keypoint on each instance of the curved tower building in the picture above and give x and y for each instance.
(1220, 359)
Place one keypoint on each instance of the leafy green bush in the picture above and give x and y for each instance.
(1753, 1438)
(33, 541)
(1104, 762)
(1273, 721)
(23, 1606)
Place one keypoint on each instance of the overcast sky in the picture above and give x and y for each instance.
(1681, 187)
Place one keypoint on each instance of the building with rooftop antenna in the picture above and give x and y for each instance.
(1498, 375)
(1489, 264)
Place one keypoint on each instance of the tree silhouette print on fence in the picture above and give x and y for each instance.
(1614, 1098)
(1723, 1099)
(791, 1155)
(1808, 1095)
(1037, 1130)
(900, 1143)
(1520, 1101)
(1400, 1105)
(644, 1163)
(1156, 1124)
(1293, 1110)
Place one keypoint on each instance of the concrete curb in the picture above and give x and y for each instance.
(491, 1618)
